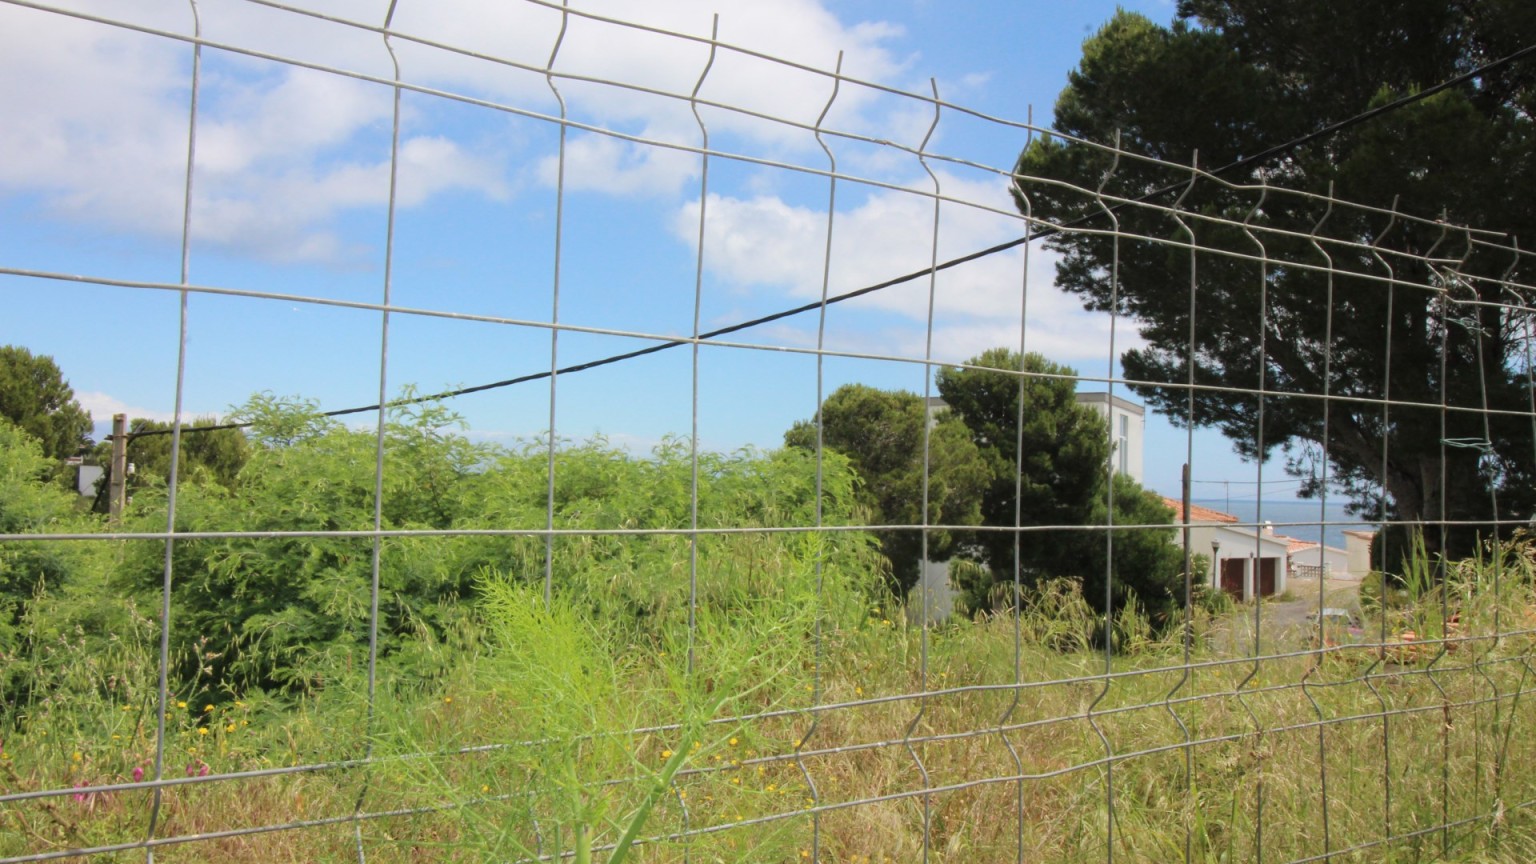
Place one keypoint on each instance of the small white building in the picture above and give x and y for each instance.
(1127, 429)
(1314, 560)
(1247, 561)
(1357, 551)
(85, 480)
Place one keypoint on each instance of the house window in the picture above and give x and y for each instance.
(1122, 444)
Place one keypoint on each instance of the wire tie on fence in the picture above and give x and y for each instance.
(1470, 324)
(1481, 444)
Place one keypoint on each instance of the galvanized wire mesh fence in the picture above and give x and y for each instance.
(1038, 734)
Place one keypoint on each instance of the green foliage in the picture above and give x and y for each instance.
(203, 457)
(48, 589)
(570, 677)
(293, 612)
(1145, 566)
(1231, 78)
(1061, 481)
(882, 433)
(35, 396)
(1065, 447)
(30, 505)
(1378, 592)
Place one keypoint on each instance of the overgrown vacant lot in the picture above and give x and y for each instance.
(620, 690)
(544, 721)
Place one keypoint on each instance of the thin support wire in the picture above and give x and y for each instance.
(693, 441)
(1252, 565)
(1016, 601)
(173, 476)
(1109, 536)
(554, 314)
(1322, 579)
(821, 340)
(1186, 679)
(1448, 625)
(922, 564)
(376, 553)
(1369, 675)
(1440, 569)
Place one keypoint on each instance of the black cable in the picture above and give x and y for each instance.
(1049, 231)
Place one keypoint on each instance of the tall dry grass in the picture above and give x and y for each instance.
(1013, 738)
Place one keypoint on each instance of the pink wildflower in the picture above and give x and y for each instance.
(138, 773)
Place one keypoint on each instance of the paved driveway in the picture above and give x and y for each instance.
(1337, 593)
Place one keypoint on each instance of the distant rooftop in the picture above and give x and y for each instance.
(1098, 397)
(1198, 513)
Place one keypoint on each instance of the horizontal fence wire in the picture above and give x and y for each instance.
(1055, 722)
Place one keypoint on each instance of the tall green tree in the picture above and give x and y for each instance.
(35, 396)
(881, 432)
(1061, 480)
(1230, 78)
(1065, 447)
(203, 457)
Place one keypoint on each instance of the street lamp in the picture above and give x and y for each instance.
(1216, 562)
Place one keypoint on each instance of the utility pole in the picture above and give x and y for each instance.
(119, 469)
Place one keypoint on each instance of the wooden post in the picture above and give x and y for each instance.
(119, 469)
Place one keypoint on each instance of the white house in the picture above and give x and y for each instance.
(1313, 560)
(1127, 428)
(1357, 547)
(1246, 561)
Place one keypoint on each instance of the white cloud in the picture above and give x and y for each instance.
(99, 134)
(99, 131)
(765, 244)
(604, 164)
(102, 406)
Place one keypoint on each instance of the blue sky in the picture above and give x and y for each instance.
(291, 187)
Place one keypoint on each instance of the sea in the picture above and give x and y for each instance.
(1304, 520)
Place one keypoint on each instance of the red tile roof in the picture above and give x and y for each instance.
(1197, 513)
(1295, 544)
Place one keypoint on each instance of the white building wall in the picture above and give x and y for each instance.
(1127, 430)
(1335, 560)
(1357, 546)
(1236, 542)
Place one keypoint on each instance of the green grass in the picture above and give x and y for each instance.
(566, 700)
